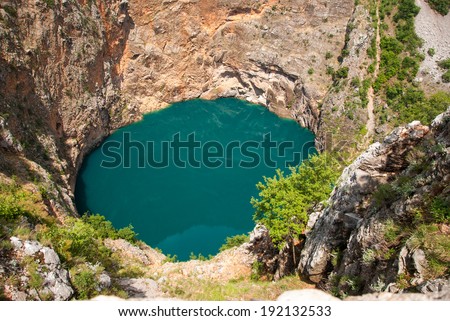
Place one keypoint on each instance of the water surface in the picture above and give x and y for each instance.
(192, 209)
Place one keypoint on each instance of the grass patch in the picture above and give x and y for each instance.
(234, 241)
(436, 246)
(234, 290)
(441, 6)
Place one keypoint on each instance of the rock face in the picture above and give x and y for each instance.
(60, 85)
(39, 272)
(144, 254)
(348, 239)
(182, 50)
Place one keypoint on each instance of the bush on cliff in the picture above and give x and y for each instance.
(285, 200)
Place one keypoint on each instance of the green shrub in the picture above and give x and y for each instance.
(436, 246)
(355, 82)
(199, 257)
(171, 258)
(257, 271)
(284, 201)
(446, 77)
(445, 64)
(50, 3)
(385, 195)
(104, 228)
(310, 71)
(441, 6)
(76, 241)
(411, 104)
(440, 210)
(11, 11)
(9, 209)
(84, 281)
(392, 231)
(234, 241)
(407, 10)
(341, 73)
(330, 71)
(431, 52)
(392, 45)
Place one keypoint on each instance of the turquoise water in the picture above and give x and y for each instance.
(191, 209)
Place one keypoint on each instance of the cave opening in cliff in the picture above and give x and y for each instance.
(184, 176)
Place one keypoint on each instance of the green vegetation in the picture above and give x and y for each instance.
(238, 289)
(11, 11)
(440, 210)
(411, 103)
(441, 6)
(445, 64)
(310, 71)
(400, 61)
(234, 241)
(436, 246)
(344, 285)
(50, 3)
(446, 76)
(199, 257)
(78, 242)
(424, 225)
(171, 258)
(284, 200)
(431, 52)
(341, 73)
(105, 229)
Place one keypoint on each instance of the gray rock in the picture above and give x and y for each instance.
(420, 261)
(50, 256)
(61, 291)
(16, 242)
(18, 296)
(347, 221)
(31, 247)
(434, 286)
(104, 281)
(140, 288)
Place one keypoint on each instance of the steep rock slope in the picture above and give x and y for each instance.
(59, 83)
(384, 227)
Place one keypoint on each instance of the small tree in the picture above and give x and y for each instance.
(284, 201)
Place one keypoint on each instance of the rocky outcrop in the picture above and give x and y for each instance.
(273, 262)
(348, 209)
(142, 254)
(37, 272)
(381, 188)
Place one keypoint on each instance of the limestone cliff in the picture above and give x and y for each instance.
(260, 51)
(371, 235)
